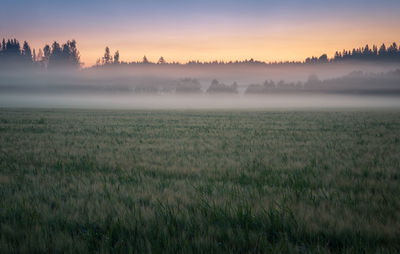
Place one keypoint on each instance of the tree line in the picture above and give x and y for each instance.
(13, 54)
(56, 56)
(367, 53)
(389, 54)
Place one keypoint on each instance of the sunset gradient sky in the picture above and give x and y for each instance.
(203, 30)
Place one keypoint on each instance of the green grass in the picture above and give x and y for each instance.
(76, 181)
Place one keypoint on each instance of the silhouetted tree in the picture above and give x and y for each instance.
(392, 50)
(73, 54)
(12, 56)
(64, 56)
(375, 50)
(47, 54)
(13, 48)
(26, 60)
(382, 51)
(107, 58)
(323, 58)
(56, 56)
(26, 51)
(116, 57)
(145, 61)
(338, 55)
(161, 60)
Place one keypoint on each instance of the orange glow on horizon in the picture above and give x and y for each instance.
(283, 42)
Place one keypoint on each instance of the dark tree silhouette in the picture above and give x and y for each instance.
(63, 57)
(46, 57)
(12, 56)
(392, 53)
(382, 50)
(55, 57)
(145, 61)
(323, 58)
(161, 61)
(26, 51)
(107, 58)
(116, 57)
(72, 54)
(392, 50)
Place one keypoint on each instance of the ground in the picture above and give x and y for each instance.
(77, 181)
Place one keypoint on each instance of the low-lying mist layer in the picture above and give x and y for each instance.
(246, 79)
(190, 101)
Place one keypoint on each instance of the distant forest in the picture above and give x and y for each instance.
(56, 56)
(14, 54)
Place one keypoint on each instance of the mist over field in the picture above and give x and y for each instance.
(182, 102)
(254, 86)
(198, 78)
(200, 87)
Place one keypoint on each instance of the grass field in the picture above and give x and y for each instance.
(76, 181)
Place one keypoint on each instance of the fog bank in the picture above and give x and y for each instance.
(193, 102)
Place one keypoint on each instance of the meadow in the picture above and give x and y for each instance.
(120, 181)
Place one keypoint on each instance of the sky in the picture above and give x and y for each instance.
(178, 30)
